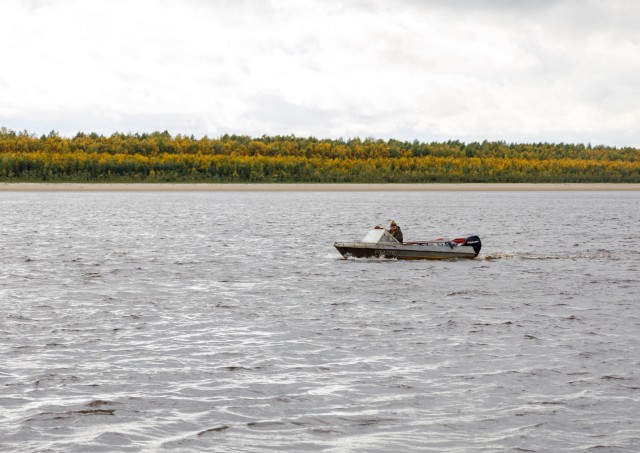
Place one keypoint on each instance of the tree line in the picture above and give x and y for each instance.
(161, 157)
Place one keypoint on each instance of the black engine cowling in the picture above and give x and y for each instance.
(474, 241)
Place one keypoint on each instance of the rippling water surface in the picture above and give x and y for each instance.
(228, 322)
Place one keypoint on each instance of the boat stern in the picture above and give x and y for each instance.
(474, 241)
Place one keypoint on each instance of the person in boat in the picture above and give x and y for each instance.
(395, 231)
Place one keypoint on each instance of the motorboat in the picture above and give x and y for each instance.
(379, 243)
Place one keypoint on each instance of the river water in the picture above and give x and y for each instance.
(227, 322)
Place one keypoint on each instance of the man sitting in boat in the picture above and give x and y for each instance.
(395, 231)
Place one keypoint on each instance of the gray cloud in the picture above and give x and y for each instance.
(537, 71)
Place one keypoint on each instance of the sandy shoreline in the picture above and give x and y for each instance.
(144, 187)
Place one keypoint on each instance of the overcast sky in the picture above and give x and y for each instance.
(469, 70)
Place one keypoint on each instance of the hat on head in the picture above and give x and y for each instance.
(393, 223)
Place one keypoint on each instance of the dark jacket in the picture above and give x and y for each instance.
(397, 234)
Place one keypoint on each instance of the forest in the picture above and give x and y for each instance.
(161, 157)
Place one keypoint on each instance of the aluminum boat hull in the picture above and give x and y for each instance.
(399, 251)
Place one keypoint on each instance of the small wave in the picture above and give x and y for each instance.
(51, 416)
(92, 275)
(265, 424)
(98, 403)
(215, 429)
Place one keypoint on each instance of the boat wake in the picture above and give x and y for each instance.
(365, 259)
(584, 255)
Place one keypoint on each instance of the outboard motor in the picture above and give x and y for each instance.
(474, 241)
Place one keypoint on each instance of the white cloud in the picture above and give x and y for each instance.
(429, 70)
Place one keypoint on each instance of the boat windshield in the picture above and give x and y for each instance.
(378, 235)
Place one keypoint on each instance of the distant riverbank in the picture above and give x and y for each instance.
(160, 158)
(168, 187)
